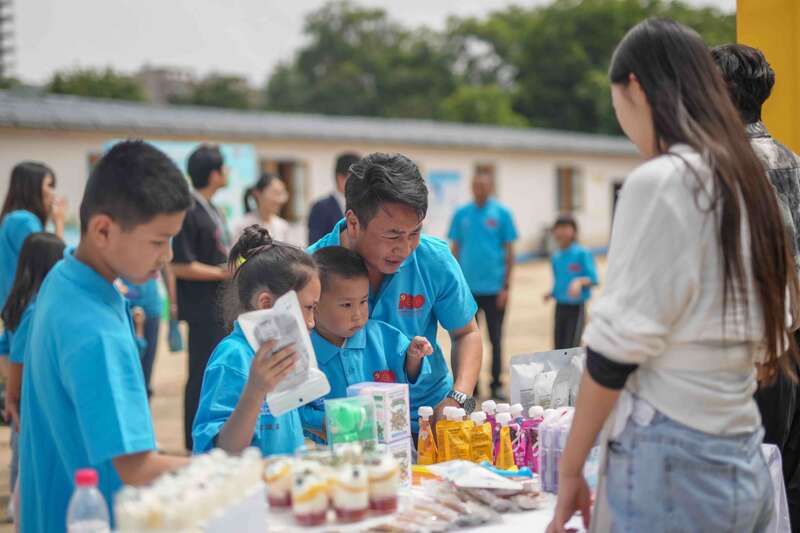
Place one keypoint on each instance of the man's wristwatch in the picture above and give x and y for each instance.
(467, 402)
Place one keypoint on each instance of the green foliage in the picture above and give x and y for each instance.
(543, 66)
(218, 91)
(97, 84)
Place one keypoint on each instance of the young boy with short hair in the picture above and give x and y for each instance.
(84, 396)
(574, 275)
(351, 348)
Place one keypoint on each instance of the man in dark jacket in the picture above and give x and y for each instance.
(750, 79)
(330, 210)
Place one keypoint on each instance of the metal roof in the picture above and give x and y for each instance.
(76, 113)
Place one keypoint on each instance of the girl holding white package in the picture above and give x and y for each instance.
(233, 413)
(700, 278)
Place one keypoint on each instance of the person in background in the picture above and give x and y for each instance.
(29, 204)
(262, 205)
(700, 303)
(39, 254)
(750, 79)
(482, 235)
(574, 274)
(415, 283)
(233, 412)
(84, 403)
(146, 299)
(200, 253)
(328, 211)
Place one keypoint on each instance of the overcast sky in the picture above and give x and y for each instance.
(245, 37)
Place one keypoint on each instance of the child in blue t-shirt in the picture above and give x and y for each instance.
(574, 274)
(233, 413)
(84, 403)
(39, 253)
(351, 348)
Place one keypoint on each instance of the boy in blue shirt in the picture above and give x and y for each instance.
(84, 401)
(351, 348)
(415, 283)
(574, 274)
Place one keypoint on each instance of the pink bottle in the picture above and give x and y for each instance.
(530, 428)
(490, 408)
(519, 438)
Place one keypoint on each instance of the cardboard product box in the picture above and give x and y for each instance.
(401, 450)
(392, 408)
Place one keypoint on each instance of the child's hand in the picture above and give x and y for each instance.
(138, 320)
(419, 348)
(269, 369)
(58, 211)
(576, 288)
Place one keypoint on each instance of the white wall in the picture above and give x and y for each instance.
(526, 181)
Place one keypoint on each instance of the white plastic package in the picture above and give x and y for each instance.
(284, 323)
(549, 379)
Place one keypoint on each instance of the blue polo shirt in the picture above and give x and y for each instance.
(223, 383)
(428, 289)
(482, 233)
(14, 229)
(377, 352)
(572, 262)
(19, 337)
(146, 296)
(83, 392)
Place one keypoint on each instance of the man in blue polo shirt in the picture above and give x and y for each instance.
(483, 234)
(415, 282)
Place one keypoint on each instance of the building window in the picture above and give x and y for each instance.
(569, 189)
(293, 173)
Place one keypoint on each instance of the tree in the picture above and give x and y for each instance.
(218, 90)
(560, 53)
(359, 62)
(483, 104)
(96, 83)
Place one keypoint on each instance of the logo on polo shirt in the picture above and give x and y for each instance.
(384, 376)
(574, 267)
(411, 302)
(491, 223)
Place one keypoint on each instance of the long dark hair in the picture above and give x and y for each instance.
(259, 263)
(25, 189)
(264, 181)
(39, 253)
(690, 105)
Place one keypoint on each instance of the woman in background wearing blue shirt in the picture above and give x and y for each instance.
(233, 413)
(574, 274)
(38, 255)
(30, 202)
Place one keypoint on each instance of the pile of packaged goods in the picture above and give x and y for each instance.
(326, 487)
(192, 498)
(499, 434)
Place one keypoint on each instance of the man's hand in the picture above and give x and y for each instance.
(502, 299)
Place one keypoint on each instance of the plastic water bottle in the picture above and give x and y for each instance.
(87, 512)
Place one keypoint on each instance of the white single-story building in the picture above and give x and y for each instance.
(538, 173)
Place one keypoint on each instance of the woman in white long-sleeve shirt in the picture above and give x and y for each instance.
(700, 278)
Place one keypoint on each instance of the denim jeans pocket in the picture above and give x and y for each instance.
(699, 494)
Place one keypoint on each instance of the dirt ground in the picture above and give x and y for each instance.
(528, 328)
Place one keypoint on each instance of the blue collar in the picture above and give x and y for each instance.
(92, 282)
(325, 350)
